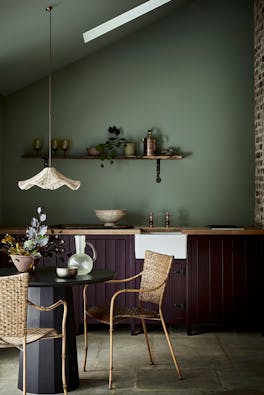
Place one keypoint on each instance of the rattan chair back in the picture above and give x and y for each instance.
(13, 305)
(155, 272)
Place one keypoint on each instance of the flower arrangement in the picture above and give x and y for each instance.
(36, 242)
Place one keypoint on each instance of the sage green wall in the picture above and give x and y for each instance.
(191, 77)
(1, 155)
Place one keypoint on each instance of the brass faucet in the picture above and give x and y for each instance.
(150, 220)
(167, 219)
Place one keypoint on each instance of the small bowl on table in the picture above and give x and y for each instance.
(66, 272)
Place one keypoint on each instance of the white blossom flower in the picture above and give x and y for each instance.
(42, 230)
(30, 245)
(34, 222)
(43, 241)
(42, 217)
(31, 233)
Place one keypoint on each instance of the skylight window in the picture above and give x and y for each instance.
(122, 19)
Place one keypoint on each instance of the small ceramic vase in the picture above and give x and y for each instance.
(24, 263)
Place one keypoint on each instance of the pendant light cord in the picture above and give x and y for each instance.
(49, 177)
(50, 67)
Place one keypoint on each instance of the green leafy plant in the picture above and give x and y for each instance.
(111, 148)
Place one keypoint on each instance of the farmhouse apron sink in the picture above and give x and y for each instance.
(170, 243)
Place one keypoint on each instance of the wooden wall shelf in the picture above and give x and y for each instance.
(158, 158)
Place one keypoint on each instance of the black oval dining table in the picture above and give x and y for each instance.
(44, 357)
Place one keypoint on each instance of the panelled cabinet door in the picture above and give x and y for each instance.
(61, 251)
(224, 275)
(115, 253)
(174, 304)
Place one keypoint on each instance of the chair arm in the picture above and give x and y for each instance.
(47, 308)
(124, 280)
(52, 307)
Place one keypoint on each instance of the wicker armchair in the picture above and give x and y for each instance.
(13, 321)
(154, 277)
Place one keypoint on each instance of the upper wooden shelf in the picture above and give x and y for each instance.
(68, 156)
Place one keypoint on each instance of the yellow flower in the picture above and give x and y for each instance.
(8, 239)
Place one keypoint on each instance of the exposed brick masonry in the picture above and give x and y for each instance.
(259, 113)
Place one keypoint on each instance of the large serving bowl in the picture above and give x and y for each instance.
(110, 217)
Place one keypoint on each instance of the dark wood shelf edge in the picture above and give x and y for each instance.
(136, 157)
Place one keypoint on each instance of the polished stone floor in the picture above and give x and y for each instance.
(212, 363)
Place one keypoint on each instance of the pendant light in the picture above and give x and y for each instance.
(49, 177)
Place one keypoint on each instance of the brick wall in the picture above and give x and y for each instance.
(259, 113)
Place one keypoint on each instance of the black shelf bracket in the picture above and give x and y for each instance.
(158, 179)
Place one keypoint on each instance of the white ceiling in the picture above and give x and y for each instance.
(24, 34)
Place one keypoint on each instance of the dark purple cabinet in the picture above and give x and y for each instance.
(115, 253)
(174, 303)
(224, 280)
(220, 282)
(174, 306)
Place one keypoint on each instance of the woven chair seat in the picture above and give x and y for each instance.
(102, 314)
(33, 334)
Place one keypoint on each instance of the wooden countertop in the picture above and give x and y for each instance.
(206, 230)
(75, 231)
(247, 230)
(202, 230)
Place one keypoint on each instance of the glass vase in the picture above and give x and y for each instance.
(80, 260)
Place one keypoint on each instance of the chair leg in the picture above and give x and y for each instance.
(85, 341)
(63, 361)
(147, 340)
(170, 346)
(85, 327)
(24, 366)
(110, 355)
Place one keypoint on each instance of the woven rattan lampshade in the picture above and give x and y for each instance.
(49, 177)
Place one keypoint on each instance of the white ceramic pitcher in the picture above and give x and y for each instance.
(80, 259)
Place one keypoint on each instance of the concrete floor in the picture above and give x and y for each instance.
(212, 363)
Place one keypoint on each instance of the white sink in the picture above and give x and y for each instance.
(170, 243)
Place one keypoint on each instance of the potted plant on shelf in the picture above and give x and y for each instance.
(112, 147)
(26, 252)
